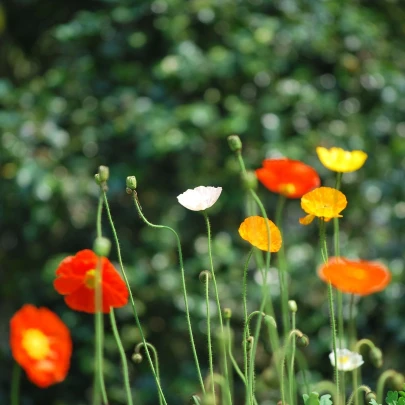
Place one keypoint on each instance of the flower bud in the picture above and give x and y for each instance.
(97, 178)
(137, 358)
(234, 142)
(104, 173)
(102, 246)
(398, 381)
(270, 321)
(303, 341)
(205, 276)
(250, 341)
(370, 395)
(250, 180)
(131, 182)
(376, 357)
(227, 313)
(292, 306)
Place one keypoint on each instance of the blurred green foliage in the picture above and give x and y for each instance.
(153, 89)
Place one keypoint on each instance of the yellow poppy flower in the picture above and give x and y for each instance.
(339, 160)
(254, 230)
(323, 202)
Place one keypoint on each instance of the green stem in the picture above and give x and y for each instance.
(282, 269)
(121, 350)
(156, 359)
(15, 385)
(364, 388)
(99, 322)
(324, 250)
(231, 356)
(352, 326)
(326, 386)
(138, 323)
(207, 302)
(207, 222)
(291, 379)
(381, 383)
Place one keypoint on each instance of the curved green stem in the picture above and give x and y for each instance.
(210, 361)
(183, 281)
(381, 383)
(289, 339)
(352, 324)
(138, 323)
(221, 324)
(231, 356)
(15, 385)
(121, 350)
(324, 250)
(326, 386)
(364, 388)
(156, 359)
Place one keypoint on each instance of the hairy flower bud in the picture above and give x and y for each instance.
(234, 142)
(398, 381)
(369, 396)
(205, 276)
(376, 357)
(303, 341)
(137, 358)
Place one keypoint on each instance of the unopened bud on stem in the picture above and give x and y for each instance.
(102, 246)
(292, 306)
(131, 182)
(234, 142)
(376, 357)
(205, 276)
(137, 358)
(104, 173)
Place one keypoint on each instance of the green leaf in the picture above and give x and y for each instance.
(373, 402)
(312, 399)
(325, 400)
(392, 397)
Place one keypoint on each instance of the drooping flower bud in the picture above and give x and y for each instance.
(369, 396)
(204, 276)
(376, 357)
(234, 142)
(303, 341)
(398, 381)
(270, 321)
(137, 358)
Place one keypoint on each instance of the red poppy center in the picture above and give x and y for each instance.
(36, 344)
(287, 189)
(90, 279)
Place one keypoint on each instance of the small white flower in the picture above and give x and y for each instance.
(347, 360)
(200, 198)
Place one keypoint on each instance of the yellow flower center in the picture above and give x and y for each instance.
(287, 189)
(344, 359)
(359, 274)
(36, 344)
(90, 279)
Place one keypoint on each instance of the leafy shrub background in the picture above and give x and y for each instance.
(153, 89)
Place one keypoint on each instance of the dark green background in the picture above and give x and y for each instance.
(153, 89)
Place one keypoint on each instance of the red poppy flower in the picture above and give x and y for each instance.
(355, 276)
(41, 344)
(287, 177)
(76, 281)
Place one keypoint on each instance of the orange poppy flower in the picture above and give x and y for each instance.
(76, 281)
(290, 178)
(41, 344)
(355, 276)
(254, 230)
(323, 202)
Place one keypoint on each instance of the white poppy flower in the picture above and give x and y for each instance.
(200, 198)
(347, 360)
